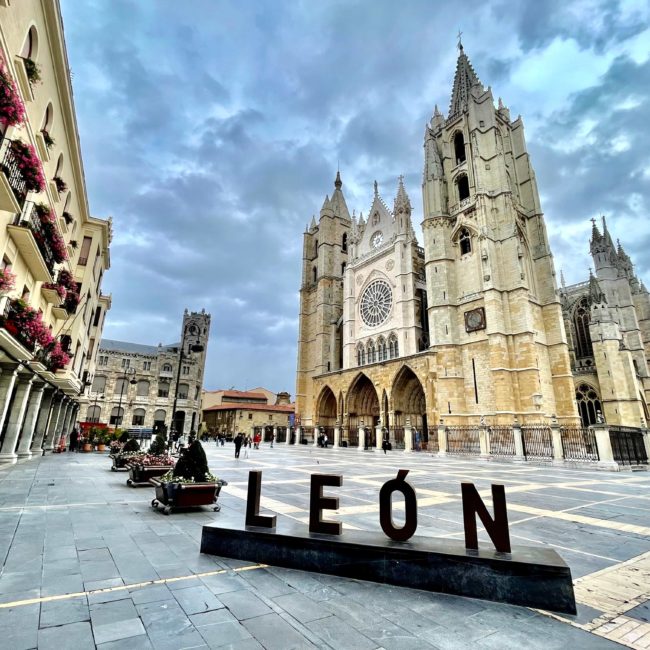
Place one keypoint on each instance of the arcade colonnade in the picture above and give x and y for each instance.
(34, 414)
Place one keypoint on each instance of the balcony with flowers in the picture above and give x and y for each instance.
(37, 237)
(24, 334)
(63, 293)
(21, 172)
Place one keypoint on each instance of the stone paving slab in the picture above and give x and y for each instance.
(68, 525)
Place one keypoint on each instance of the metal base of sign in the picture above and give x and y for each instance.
(529, 576)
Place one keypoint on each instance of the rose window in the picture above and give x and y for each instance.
(376, 302)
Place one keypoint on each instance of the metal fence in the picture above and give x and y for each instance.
(11, 169)
(353, 437)
(628, 447)
(420, 439)
(579, 443)
(282, 434)
(397, 437)
(463, 440)
(502, 441)
(537, 442)
(432, 437)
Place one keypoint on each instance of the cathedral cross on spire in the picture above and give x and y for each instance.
(460, 42)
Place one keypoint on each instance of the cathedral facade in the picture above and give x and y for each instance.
(470, 327)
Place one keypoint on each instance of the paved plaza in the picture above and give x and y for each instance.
(87, 562)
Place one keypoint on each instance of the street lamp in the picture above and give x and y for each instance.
(194, 331)
(98, 396)
(127, 372)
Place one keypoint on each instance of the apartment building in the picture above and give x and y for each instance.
(53, 252)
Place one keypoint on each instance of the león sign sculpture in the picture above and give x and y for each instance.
(530, 576)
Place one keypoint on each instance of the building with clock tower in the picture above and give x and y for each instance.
(468, 328)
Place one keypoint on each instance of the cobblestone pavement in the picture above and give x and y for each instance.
(87, 562)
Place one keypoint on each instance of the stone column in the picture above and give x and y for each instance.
(57, 413)
(646, 442)
(519, 443)
(274, 439)
(15, 419)
(7, 381)
(298, 435)
(408, 437)
(67, 423)
(41, 422)
(288, 438)
(337, 435)
(378, 436)
(29, 426)
(316, 434)
(604, 444)
(556, 439)
(362, 439)
(484, 442)
(442, 440)
(58, 432)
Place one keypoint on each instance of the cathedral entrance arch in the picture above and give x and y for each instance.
(409, 405)
(326, 413)
(363, 410)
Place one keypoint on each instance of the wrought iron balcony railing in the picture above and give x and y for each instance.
(29, 219)
(15, 178)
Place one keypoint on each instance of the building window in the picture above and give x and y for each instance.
(103, 360)
(581, 317)
(98, 315)
(99, 384)
(463, 187)
(85, 249)
(183, 390)
(146, 365)
(167, 367)
(121, 386)
(459, 147)
(344, 242)
(315, 274)
(186, 370)
(361, 355)
(143, 388)
(250, 416)
(116, 416)
(381, 349)
(465, 241)
(163, 391)
(371, 352)
(138, 417)
(343, 268)
(126, 363)
(316, 248)
(588, 404)
(93, 414)
(393, 347)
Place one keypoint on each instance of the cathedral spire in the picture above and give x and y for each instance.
(402, 204)
(338, 204)
(464, 80)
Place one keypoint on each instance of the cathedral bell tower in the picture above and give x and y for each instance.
(324, 260)
(495, 319)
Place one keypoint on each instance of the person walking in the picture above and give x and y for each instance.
(74, 438)
(272, 439)
(239, 439)
(325, 441)
(385, 445)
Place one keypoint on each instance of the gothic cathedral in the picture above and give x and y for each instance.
(470, 327)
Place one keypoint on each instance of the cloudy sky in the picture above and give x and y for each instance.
(211, 131)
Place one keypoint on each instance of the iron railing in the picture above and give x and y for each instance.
(502, 441)
(463, 440)
(282, 434)
(353, 437)
(9, 323)
(432, 438)
(307, 434)
(15, 178)
(398, 437)
(29, 219)
(420, 439)
(579, 443)
(537, 441)
(628, 447)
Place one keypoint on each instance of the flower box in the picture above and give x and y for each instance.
(140, 474)
(119, 462)
(186, 495)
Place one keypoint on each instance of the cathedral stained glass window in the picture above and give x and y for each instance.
(376, 302)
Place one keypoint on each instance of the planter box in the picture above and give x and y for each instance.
(118, 463)
(186, 495)
(140, 474)
(87, 447)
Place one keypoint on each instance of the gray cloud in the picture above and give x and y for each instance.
(212, 136)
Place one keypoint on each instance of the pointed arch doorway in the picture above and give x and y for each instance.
(409, 406)
(363, 412)
(326, 413)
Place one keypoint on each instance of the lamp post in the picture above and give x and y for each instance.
(194, 331)
(127, 372)
(98, 396)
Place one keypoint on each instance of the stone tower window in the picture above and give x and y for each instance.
(588, 404)
(382, 351)
(30, 46)
(315, 273)
(463, 187)
(372, 357)
(361, 355)
(344, 242)
(316, 248)
(393, 347)
(581, 318)
(343, 268)
(465, 241)
(459, 147)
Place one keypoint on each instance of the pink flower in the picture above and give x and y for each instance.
(7, 280)
(12, 109)
(29, 165)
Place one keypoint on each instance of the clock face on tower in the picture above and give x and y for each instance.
(376, 239)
